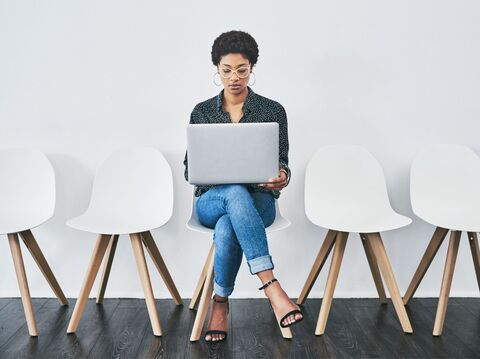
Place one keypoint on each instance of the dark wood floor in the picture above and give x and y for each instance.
(357, 328)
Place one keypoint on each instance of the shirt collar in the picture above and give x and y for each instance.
(246, 105)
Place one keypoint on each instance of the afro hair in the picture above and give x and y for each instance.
(235, 42)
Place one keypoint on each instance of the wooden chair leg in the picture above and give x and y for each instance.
(107, 266)
(387, 272)
(204, 302)
(95, 262)
(201, 280)
(322, 256)
(377, 278)
(42, 263)
(432, 249)
(340, 243)
(446, 282)
(146, 284)
(472, 239)
(23, 283)
(161, 267)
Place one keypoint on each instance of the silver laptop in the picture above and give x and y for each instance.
(232, 153)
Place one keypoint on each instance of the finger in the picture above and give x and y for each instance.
(271, 182)
(270, 186)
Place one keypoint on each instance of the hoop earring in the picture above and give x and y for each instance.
(254, 79)
(216, 84)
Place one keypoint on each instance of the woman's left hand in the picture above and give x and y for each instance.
(277, 183)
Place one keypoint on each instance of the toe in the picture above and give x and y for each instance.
(208, 337)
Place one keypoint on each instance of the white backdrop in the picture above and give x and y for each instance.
(79, 79)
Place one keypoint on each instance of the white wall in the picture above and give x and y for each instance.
(81, 79)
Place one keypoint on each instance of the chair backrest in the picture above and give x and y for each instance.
(444, 178)
(27, 189)
(135, 183)
(342, 181)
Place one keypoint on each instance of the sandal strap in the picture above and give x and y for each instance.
(210, 332)
(293, 312)
(216, 332)
(268, 283)
(219, 301)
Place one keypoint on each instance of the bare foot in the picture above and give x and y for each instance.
(282, 304)
(218, 319)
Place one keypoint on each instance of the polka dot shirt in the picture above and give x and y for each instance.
(255, 109)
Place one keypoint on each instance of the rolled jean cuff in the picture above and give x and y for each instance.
(260, 264)
(221, 291)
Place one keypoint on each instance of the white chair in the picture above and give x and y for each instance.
(27, 199)
(132, 194)
(345, 191)
(445, 192)
(204, 289)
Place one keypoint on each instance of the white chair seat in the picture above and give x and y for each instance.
(12, 222)
(345, 190)
(132, 193)
(445, 187)
(277, 225)
(27, 190)
(465, 219)
(445, 192)
(27, 199)
(361, 221)
(111, 223)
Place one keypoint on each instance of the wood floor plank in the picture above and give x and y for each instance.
(379, 321)
(470, 304)
(459, 321)
(256, 332)
(448, 346)
(12, 320)
(4, 302)
(305, 343)
(356, 328)
(175, 324)
(122, 336)
(346, 339)
(49, 319)
(95, 318)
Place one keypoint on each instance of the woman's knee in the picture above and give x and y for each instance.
(224, 234)
(268, 218)
(236, 191)
(238, 199)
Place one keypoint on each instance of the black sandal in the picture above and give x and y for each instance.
(210, 332)
(292, 312)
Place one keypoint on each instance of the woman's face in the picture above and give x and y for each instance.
(234, 70)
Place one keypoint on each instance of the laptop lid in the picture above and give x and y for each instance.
(221, 153)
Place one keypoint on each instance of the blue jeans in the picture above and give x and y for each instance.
(239, 219)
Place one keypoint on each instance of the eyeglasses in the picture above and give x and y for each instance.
(242, 72)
